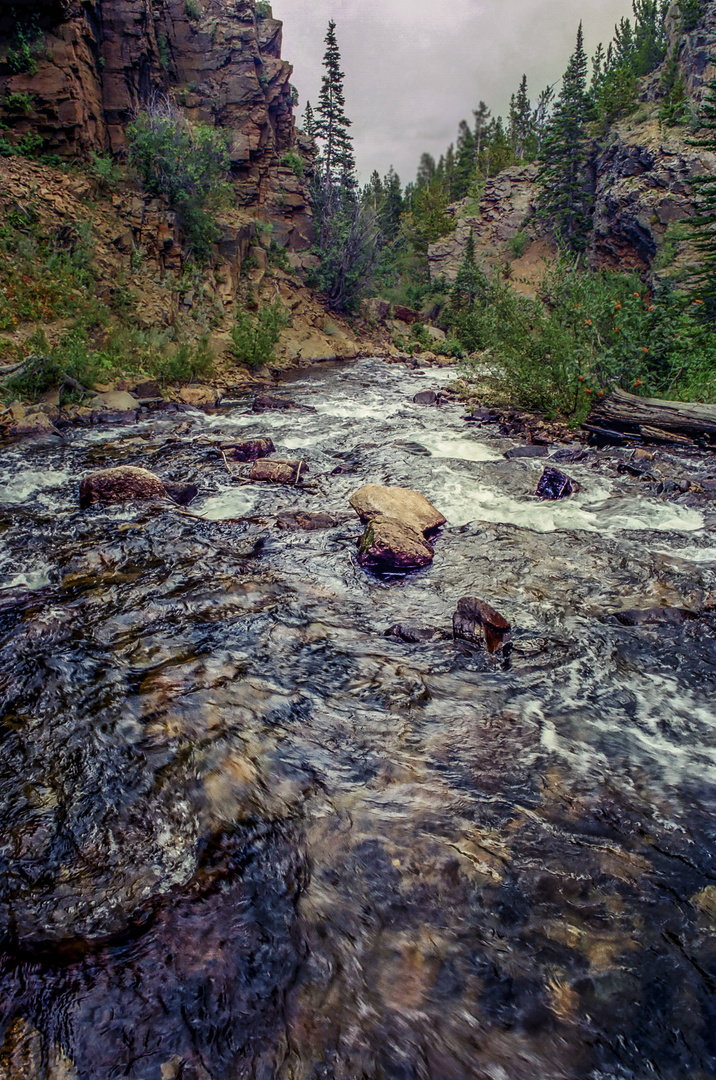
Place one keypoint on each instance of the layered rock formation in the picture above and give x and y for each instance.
(89, 65)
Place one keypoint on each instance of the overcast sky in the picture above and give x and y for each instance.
(415, 68)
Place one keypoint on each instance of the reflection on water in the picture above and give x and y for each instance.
(245, 834)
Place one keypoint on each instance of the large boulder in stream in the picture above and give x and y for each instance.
(128, 483)
(555, 485)
(398, 522)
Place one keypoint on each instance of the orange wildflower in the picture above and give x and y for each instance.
(581, 378)
(587, 390)
(644, 349)
(638, 383)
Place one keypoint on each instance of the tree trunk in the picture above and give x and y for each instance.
(621, 417)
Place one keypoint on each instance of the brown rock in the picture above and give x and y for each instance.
(115, 401)
(479, 623)
(272, 403)
(406, 314)
(387, 545)
(35, 426)
(148, 389)
(200, 397)
(398, 504)
(126, 483)
(275, 471)
(250, 450)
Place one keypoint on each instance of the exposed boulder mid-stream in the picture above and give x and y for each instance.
(397, 523)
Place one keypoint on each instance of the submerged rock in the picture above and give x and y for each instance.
(127, 483)
(251, 450)
(479, 623)
(413, 635)
(426, 397)
(654, 616)
(555, 485)
(398, 522)
(298, 520)
(275, 471)
(526, 452)
(272, 403)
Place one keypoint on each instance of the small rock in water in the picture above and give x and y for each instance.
(297, 520)
(426, 397)
(526, 452)
(555, 485)
(275, 471)
(272, 403)
(251, 450)
(126, 483)
(181, 493)
(571, 456)
(654, 616)
(476, 621)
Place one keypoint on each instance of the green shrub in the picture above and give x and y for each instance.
(187, 163)
(26, 42)
(193, 11)
(254, 339)
(588, 333)
(19, 103)
(105, 170)
(291, 160)
(263, 9)
(278, 256)
(517, 245)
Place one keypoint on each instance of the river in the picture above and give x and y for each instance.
(245, 834)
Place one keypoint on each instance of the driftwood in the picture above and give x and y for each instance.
(623, 416)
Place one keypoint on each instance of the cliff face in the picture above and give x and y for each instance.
(95, 62)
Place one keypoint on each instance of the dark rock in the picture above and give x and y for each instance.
(481, 416)
(654, 616)
(148, 390)
(479, 623)
(297, 520)
(708, 485)
(569, 456)
(526, 452)
(181, 493)
(251, 450)
(276, 471)
(405, 314)
(426, 397)
(272, 403)
(555, 485)
(415, 634)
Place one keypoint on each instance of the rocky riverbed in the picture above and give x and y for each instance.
(263, 816)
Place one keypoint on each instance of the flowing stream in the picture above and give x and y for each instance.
(246, 834)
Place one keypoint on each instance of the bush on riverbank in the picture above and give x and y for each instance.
(587, 333)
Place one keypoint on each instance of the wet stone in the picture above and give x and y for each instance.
(125, 483)
(478, 622)
(654, 616)
(275, 471)
(555, 485)
(272, 403)
(426, 397)
(250, 450)
(415, 634)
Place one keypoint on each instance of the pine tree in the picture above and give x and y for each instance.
(522, 135)
(391, 206)
(565, 199)
(309, 122)
(331, 123)
(704, 224)
(482, 120)
(464, 162)
(347, 226)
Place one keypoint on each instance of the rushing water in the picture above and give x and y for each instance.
(244, 833)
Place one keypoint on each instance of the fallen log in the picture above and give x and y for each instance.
(677, 423)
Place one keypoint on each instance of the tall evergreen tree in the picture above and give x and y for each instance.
(522, 135)
(391, 206)
(464, 162)
(704, 224)
(565, 198)
(309, 122)
(331, 123)
(482, 121)
(347, 226)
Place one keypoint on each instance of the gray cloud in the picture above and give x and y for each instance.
(415, 68)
